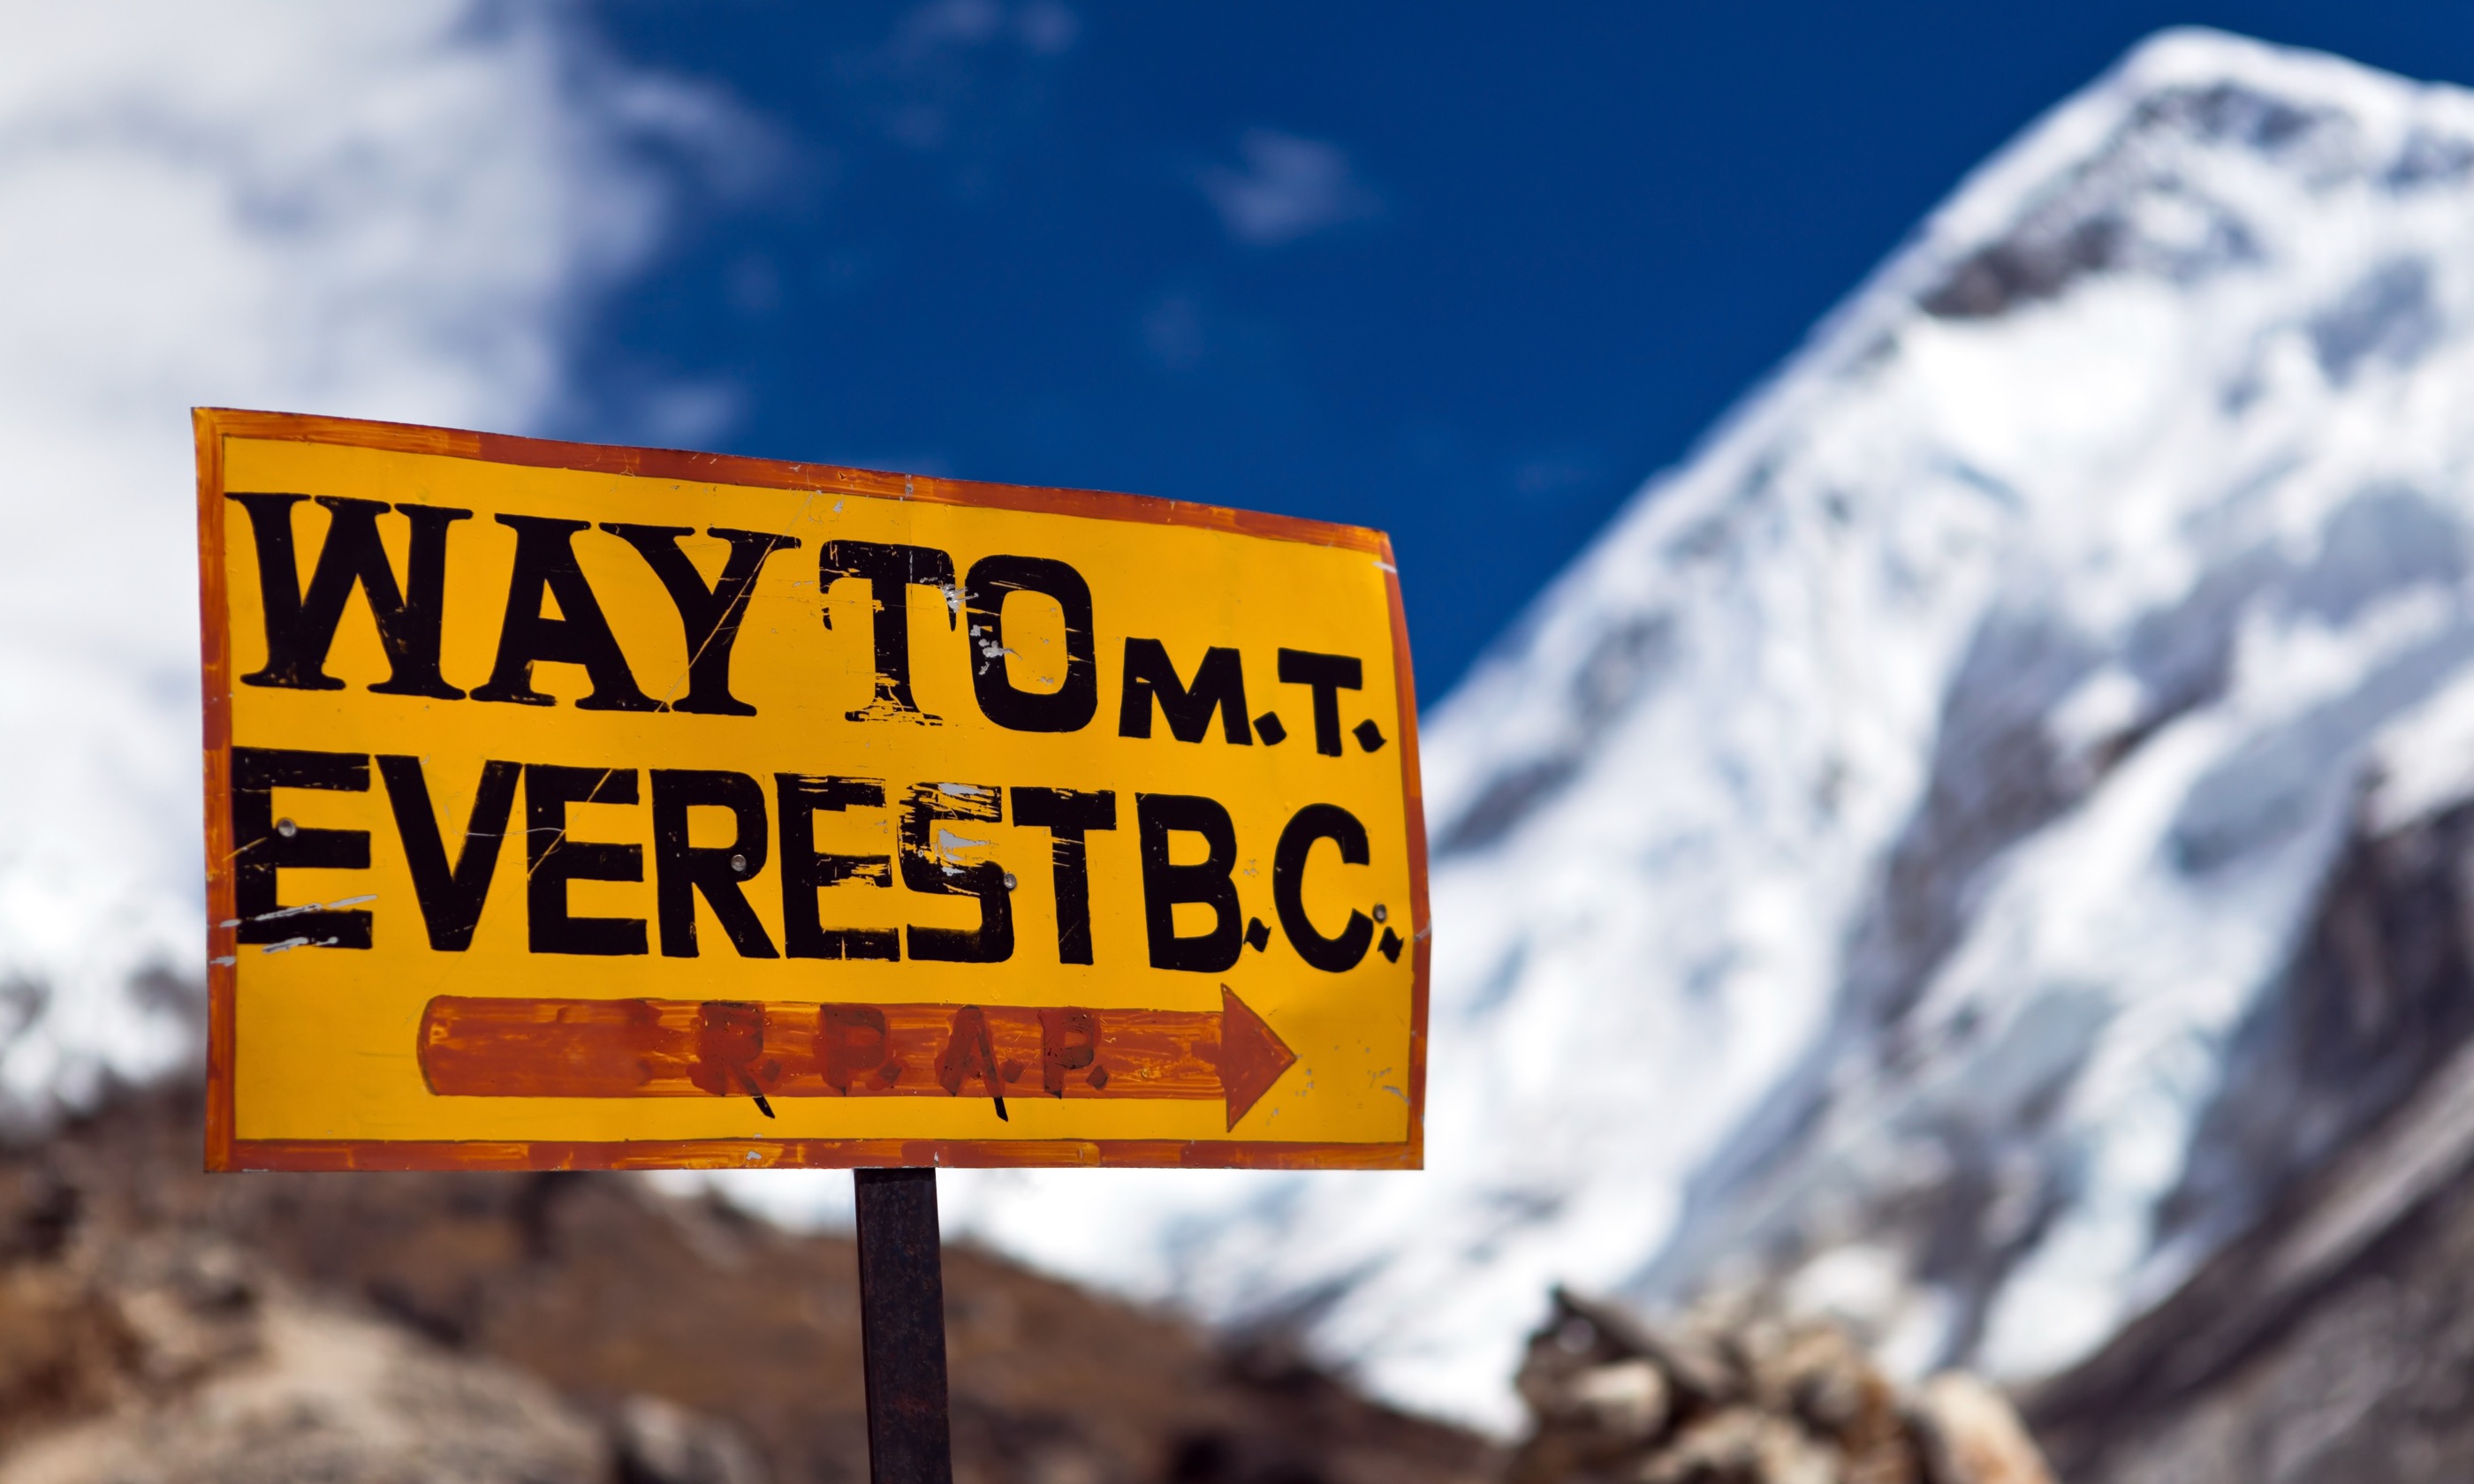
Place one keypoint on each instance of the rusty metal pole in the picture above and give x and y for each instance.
(902, 1326)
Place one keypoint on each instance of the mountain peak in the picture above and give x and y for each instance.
(1868, 871)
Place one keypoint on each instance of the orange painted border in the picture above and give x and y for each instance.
(224, 1151)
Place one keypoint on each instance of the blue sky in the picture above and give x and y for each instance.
(1467, 272)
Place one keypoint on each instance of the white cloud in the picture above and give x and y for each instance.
(1043, 27)
(1048, 28)
(958, 72)
(395, 211)
(1291, 187)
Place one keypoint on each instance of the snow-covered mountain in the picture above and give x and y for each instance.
(1882, 866)
(1958, 849)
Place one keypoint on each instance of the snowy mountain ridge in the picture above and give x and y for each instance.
(1957, 850)
(1858, 872)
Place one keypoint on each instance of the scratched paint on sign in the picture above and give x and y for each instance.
(574, 805)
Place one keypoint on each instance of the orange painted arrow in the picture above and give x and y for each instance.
(473, 1047)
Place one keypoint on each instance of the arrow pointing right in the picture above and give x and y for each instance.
(524, 1047)
(1253, 1056)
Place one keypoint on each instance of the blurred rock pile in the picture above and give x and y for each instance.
(178, 1354)
(178, 1360)
(1731, 1397)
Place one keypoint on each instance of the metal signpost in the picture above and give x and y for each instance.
(584, 807)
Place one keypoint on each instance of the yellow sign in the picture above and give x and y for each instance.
(584, 806)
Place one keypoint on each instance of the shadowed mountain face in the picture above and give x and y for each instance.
(1949, 854)
(2332, 1339)
(158, 1323)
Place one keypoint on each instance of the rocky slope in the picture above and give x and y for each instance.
(2334, 1340)
(158, 1324)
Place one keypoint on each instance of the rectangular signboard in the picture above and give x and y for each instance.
(582, 807)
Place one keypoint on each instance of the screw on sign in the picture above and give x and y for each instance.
(585, 807)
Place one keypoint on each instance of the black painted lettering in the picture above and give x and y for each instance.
(1165, 884)
(681, 870)
(807, 870)
(580, 636)
(555, 857)
(927, 867)
(708, 617)
(890, 572)
(1329, 675)
(1219, 685)
(1318, 822)
(262, 846)
(1071, 705)
(1068, 817)
(301, 626)
(451, 896)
